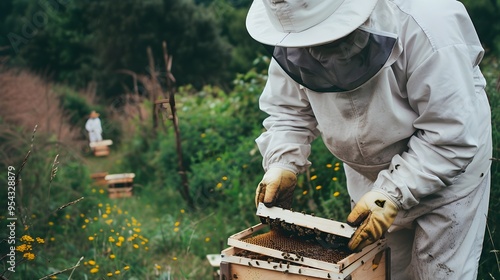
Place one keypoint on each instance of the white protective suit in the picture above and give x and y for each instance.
(93, 126)
(420, 130)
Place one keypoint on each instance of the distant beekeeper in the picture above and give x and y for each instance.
(93, 126)
(395, 91)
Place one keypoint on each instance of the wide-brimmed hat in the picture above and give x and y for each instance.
(300, 23)
(94, 114)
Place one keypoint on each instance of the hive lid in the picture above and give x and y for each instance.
(306, 220)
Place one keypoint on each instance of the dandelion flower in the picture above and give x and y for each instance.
(183, 211)
(157, 266)
(136, 246)
(91, 238)
(176, 229)
(84, 226)
(329, 165)
(100, 204)
(94, 270)
(177, 224)
(111, 239)
(109, 274)
(126, 267)
(336, 168)
(174, 258)
(40, 240)
(219, 185)
(304, 192)
(91, 262)
(334, 179)
(224, 178)
(318, 187)
(117, 272)
(67, 217)
(207, 239)
(112, 256)
(101, 191)
(104, 216)
(336, 194)
(314, 177)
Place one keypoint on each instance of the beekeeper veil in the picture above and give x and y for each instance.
(326, 45)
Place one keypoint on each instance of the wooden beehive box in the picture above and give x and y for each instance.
(99, 178)
(101, 148)
(261, 253)
(120, 185)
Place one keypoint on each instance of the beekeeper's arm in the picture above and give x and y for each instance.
(285, 146)
(446, 90)
(88, 125)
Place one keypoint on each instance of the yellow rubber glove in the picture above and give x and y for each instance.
(373, 215)
(276, 188)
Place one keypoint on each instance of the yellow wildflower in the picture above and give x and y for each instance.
(329, 165)
(27, 238)
(318, 187)
(224, 178)
(126, 267)
(336, 194)
(207, 239)
(304, 192)
(117, 272)
(94, 270)
(91, 238)
(177, 224)
(314, 177)
(109, 274)
(112, 256)
(91, 262)
(29, 256)
(136, 246)
(40, 240)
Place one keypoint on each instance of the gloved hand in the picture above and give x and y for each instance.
(276, 188)
(373, 215)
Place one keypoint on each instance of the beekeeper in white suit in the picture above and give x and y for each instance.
(395, 91)
(94, 128)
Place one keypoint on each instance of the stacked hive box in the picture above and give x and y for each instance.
(120, 185)
(101, 148)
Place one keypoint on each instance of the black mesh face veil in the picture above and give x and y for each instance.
(342, 65)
